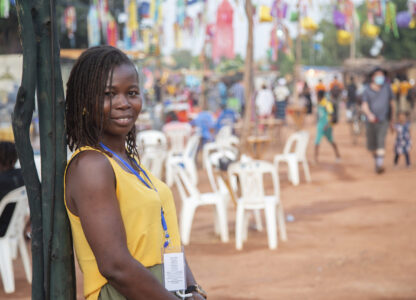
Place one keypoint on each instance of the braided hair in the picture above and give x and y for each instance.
(8, 155)
(85, 97)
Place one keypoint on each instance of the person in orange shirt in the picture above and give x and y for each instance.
(320, 87)
(404, 103)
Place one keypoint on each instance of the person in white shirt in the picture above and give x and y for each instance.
(264, 104)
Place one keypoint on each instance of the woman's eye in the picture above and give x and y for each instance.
(133, 93)
(109, 94)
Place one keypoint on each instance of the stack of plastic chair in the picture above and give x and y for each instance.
(13, 240)
(186, 160)
(177, 134)
(153, 150)
(225, 145)
(253, 197)
(191, 199)
(298, 141)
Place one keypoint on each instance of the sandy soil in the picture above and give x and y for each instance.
(353, 235)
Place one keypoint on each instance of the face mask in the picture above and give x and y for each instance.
(379, 80)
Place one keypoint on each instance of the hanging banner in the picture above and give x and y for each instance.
(224, 33)
(93, 27)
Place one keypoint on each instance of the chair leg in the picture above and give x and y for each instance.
(239, 227)
(257, 218)
(216, 223)
(25, 259)
(169, 175)
(187, 216)
(293, 170)
(306, 170)
(6, 266)
(222, 221)
(270, 212)
(246, 223)
(281, 221)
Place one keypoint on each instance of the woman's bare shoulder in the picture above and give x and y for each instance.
(90, 165)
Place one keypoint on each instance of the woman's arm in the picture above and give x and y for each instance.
(92, 196)
(190, 280)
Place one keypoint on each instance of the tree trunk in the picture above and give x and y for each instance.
(21, 119)
(248, 77)
(58, 263)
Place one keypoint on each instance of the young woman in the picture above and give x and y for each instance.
(121, 216)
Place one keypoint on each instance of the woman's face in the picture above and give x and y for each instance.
(122, 101)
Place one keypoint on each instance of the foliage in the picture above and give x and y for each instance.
(227, 66)
(285, 63)
(183, 59)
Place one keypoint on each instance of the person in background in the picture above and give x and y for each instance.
(411, 97)
(10, 179)
(222, 89)
(264, 104)
(351, 98)
(205, 124)
(320, 87)
(324, 125)
(306, 93)
(237, 91)
(281, 93)
(379, 107)
(405, 87)
(335, 90)
(157, 87)
(403, 139)
(227, 117)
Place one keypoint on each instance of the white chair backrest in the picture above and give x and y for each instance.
(152, 139)
(302, 145)
(38, 165)
(299, 142)
(16, 224)
(251, 176)
(192, 146)
(187, 190)
(153, 161)
(177, 133)
(225, 137)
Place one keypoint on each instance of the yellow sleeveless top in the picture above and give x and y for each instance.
(140, 211)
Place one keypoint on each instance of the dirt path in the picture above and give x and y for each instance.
(353, 236)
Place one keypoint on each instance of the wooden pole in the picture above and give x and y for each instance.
(58, 261)
(298, 58)
(248, 77)
(21, 120)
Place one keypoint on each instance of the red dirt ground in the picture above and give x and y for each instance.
(353, 236)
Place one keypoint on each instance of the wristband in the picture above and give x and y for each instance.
(196, 288)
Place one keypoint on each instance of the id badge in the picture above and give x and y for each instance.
(174, 269)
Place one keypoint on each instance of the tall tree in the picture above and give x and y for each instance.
(53, 261)
(248, 75)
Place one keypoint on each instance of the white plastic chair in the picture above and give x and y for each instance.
(177, 134)
(186, 159)
(191, 199)
(153, 148)
(253, 197)
(153, 139)
(38, 165)
(13, 239)
(225, 142)
(298, 140)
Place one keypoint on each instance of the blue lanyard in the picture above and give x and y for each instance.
(128, 166)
